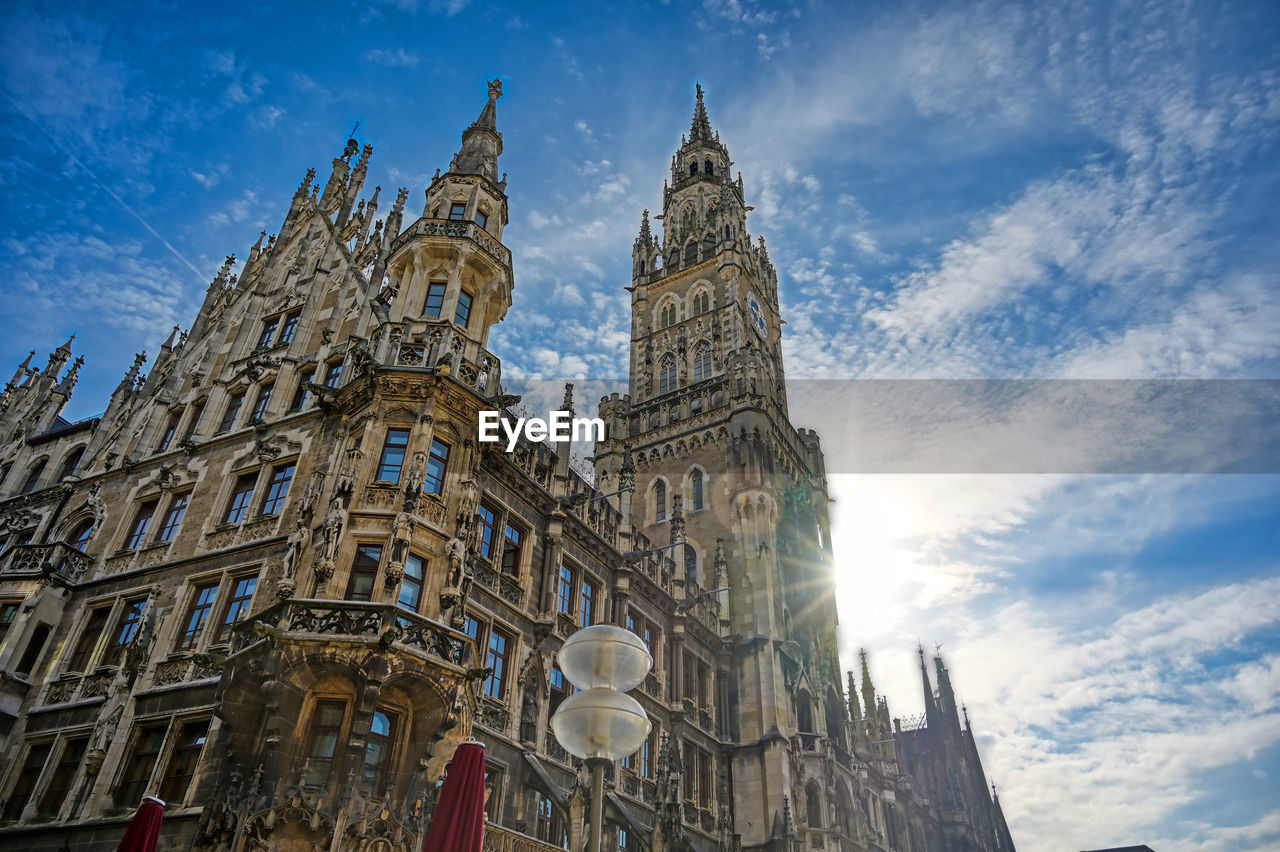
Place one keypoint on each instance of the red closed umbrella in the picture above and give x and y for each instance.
(458, 822)
(143, 833)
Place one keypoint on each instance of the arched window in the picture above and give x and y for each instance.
(668, 315)
(804, 713)
(726, 231)
(642, 267)
(695, 489)
(693, 168)
(33, 477)
(70, 463)
(709, 167)
(701, 362)
(659, 500)
(691, 563)
(813, 804)
(667, 374)
(80, 533)
(701, 303)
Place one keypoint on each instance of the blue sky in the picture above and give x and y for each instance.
(969, 190)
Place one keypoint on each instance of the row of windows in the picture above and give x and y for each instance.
(576, 594)
(391, 461)
(697, 500)
(278, 331)
(332, 375)
(668, 314)
(35, 472)
(667, 374)
(435, 304)
(186, 740)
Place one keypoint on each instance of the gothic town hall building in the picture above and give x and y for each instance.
(278, 580)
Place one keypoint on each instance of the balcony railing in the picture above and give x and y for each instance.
(315, 618)
(499, 839)
(46, 560)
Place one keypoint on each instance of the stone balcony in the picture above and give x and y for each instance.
(46, 560)
(384, 624)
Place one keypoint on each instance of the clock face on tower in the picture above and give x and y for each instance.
(757, 316)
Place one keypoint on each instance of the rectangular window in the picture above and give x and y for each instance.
(690, 684)
(495, 686)
(141, 521)
(173, 517)
(278, 489)
(326, 734)
(231, 412)
(89, 639)
(126, 629)
(8, 613)
(437, 462)
(263, 401)
(377, 751)
(393, 450)
(559, 691)
(704, 778)
(301, 394)
(141, 763)
(194, 423)
(241, 497)
(63, 776)
(511, 550)
(290, 328)
(690, 771)
(411, 584)
(462, 314)
(482, 218)
(197, 614)
(435, 299)
(564, 590)
(487, 524)
(170, 429)
(586, 612)
(182, 763)
(333, 374)
(646, 758)
(457, 210)
(268, 332)
(237, 608)
(35, 645)
(363, 572)
(37, 754)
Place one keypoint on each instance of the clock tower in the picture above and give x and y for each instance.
(727, 488)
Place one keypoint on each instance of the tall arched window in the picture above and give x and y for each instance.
(691, 563)
(695, 489)
(701, 303)
(33, 477)
(668, 315)
(70, 463)
(693, 168)
(667, 374)
(659, 500)
(709, 167)
(813, 804)
(804, 713)
(701, 362)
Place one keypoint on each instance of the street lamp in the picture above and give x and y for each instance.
(602, 723)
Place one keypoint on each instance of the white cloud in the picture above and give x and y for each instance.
(396, 58)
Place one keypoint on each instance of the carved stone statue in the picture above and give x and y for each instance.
(401, 536)
(529, 716)
(334, 523)
(294, 546)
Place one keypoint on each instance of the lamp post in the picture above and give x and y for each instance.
(601, 723)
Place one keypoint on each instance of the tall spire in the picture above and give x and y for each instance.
(868, 689)
(930, 704)
(481, 142)
(701, 127)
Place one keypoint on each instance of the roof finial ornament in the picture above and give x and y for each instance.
(495, 89)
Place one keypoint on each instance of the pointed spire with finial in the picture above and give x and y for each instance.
(68, 383)
(868, 688)
(481, 141)
(646, 235)
(700, 131)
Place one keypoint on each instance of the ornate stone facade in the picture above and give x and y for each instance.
(278, 580)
